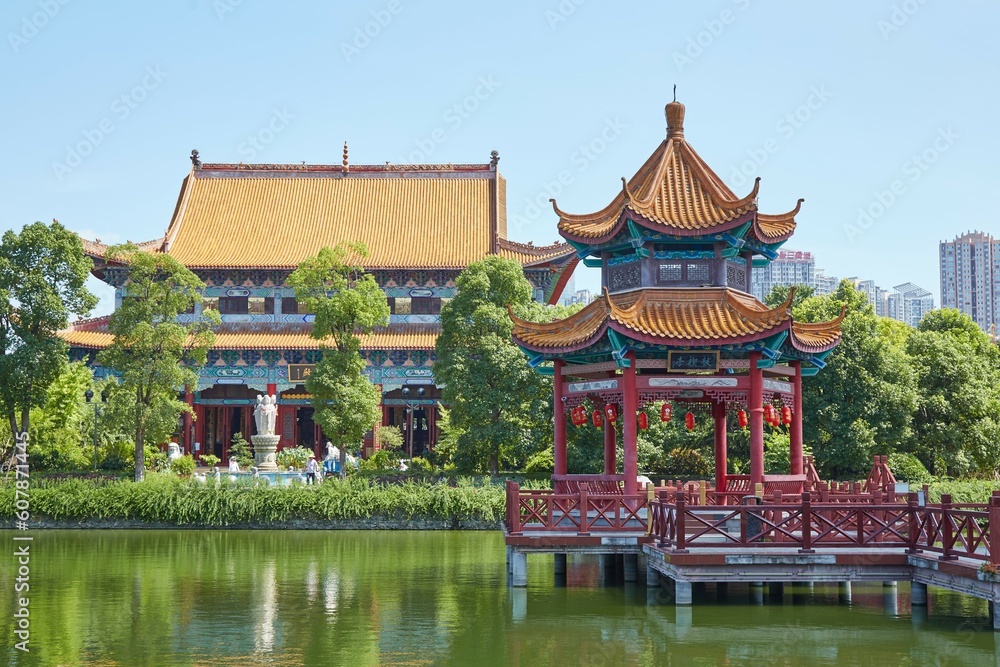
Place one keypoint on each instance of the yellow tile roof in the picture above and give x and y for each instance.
(234, 219)
(681, 316)
(676, 191)
(93, 334)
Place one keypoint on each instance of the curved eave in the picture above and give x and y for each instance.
(580, 330)
(699, 341)
(818, 337)
(772, 229)
(657, 226)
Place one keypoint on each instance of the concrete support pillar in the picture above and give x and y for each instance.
(844, 592)
(559, 416)
(918, 594)
(510, 550)
(631, 568)
(682, 592)
(755, 400)
(630, 404)
(757, 593)
(889, 584)
(559, 564)
(519, 569)
(795, 428)
(995, 613)
(652, 577)
(721, 453)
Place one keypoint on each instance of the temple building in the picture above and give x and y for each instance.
(243, 228)
(677, 324)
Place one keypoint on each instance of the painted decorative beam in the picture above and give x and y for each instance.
(637, 239)
(619, 348)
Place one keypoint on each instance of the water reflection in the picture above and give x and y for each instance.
(289, 598)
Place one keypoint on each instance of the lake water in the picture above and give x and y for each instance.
(433, 598)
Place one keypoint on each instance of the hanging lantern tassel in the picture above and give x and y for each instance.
(598, 419)
(666, 412)
(689, 421)
(786, 415)
(643, 421)
(611, 412)
(741, 418)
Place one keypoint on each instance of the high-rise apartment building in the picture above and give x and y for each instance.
(970, 276)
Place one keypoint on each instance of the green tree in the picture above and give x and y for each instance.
(154, 355)
(779, 295)
(958, 377)
(862, 403)
(500, 407)
(42, 275)
(346, 301)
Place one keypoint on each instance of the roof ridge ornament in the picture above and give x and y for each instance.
(494, 159)
(195, 161)
(675, 118)
(347, 167)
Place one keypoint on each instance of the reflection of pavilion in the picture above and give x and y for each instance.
(676, 323)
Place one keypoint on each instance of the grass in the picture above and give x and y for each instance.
(168, 499)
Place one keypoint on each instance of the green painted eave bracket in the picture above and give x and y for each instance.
(760, 262)
(809, 372)
(593, 262)
(619, 348)
(638, 239)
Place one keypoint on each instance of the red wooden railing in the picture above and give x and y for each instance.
(580, 512)
(944, 529)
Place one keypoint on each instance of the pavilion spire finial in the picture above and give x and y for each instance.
(675, 117)
(346, 165)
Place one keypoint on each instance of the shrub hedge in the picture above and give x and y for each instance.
(162, 498)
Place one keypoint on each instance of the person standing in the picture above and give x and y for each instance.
(311, 469)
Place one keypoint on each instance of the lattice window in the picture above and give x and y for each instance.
(736, 275)
(670, 272)
(624, 277)
(698, 273)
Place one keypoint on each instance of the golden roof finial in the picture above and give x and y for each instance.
(675, 117)
(346, 166)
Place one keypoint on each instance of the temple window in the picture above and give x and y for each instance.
(234, 305)
(210, 303)
(261, 305)
(401, 305)
(425, 305)
(290, 306)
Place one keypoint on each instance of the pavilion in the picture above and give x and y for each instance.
(676, 322)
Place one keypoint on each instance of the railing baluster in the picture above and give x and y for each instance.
(993, 526)
(913, 522)
(583, 528)
(806, 525)
(681, 510)
(947, 532)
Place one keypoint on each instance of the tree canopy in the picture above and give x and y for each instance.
(43, 272)
(153, 354)
(346, 301)
(500, 408)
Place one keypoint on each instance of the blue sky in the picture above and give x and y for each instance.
(885, 107)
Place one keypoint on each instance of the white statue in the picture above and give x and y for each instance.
(173, 451)
(266, 414)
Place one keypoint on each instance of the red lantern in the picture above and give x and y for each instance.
(769, 414)
(689, 421)
(786, 415)
(741, 418)
(666, 412)
(643, 420)
(598, 419)
(611, 411)
(574, 416)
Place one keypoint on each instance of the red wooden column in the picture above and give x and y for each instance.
(630, 400)
(223, 417)
(188, 435)
(610, 448)
(755, 402)
(431, 426)
(559, 417)
(721, 453)
(199, 428)
(795, 428)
